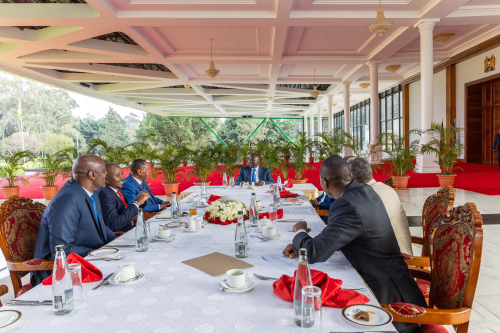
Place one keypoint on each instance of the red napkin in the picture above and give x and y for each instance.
(289, 183)
(90, 273)
(266, 215)
(288, 194)
(331, 293)
(213, 198)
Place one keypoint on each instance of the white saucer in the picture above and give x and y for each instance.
(277, 236)
(9, 317)
(101, 253)
(378, 317)
(186, 229)
(111, 281)
(166, 240)
(248, 286)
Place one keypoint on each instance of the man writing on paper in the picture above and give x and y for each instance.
(255, 173)
(358, 225)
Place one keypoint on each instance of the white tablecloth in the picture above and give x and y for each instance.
(174, 297)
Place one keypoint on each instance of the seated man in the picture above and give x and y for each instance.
(362, 173)
(323, 202)
(358, 225)
(255, 173)
(135, 183)
(117, 214)
(73, 217)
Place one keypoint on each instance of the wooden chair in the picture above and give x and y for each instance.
(455, 248)
(19, 224)
(3, 290)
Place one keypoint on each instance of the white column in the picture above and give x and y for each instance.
(347, 114)
(306, 129)
(330, 113)
(374, 110)
(320, 121)
(311, 123)
(426, 163)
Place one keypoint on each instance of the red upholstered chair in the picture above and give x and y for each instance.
(19, 224)
(455, 248)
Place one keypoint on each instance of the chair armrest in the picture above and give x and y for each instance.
(3, 290)
(30, 265)
(417, 240)
(419, 273)
(419, 262)
(435, 316)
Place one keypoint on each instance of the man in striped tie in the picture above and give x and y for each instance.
(117, 214)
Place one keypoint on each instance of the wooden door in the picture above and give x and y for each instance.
(487, 137)
(474, 142)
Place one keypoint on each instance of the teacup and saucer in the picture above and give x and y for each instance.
(195, 224)
(164, 235)
(125, 274)
(237, 281)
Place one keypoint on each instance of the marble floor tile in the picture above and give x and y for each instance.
(483, 320)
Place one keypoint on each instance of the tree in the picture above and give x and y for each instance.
(114, 131)
(14, 143)
(56, 142)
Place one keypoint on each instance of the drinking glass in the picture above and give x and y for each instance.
(311, 309)
(76, 277)
(148, 230)
(273, 212)
(194, 206)
(271, 188)
(231, 182)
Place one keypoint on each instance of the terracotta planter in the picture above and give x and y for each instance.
(445, 180)
(8, 191)
(49, 191)
(311, 159)
(170, 188)
(184, 164)
(401, 182)
(199, 184)
(286, 159)
(244, 162)
(299, 181)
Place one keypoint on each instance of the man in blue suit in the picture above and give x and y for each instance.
(73, 217)
(496, 146)
(255, 173)
(135, 183)
(322, 202)
(118, 215)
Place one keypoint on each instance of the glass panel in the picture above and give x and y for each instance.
(358, 117)
(325, 125)
(396, 106)
(363, 115)
(382, 127)
(389, 126)
(389, 107)
(396, 126)
(382, 108)
(368, 114)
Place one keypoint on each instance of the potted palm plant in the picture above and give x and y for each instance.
(56, 166)
(168, 167)
(298, 158)
(9, 171)
(331, 143)
(445, 144)
(243, 154)
(117, 154)
(204, 164)
(184, 154)
(229, 156)
(400, 159)
(141, 150)
(284, 149)
(312, 148)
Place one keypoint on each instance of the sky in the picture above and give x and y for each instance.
(93, 106)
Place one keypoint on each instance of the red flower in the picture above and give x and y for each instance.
(235, 221)
(217, 220)
(212, 220)
(207, 215)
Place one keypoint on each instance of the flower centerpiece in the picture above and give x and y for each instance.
(225, 211)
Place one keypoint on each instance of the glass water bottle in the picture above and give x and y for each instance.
(302, 279)
(277, 196)
(241, 238)
(204, 192)
(62, 284)
(253, 211)
(175, 212)
(224, 180)
(278, 182)
(141, 233)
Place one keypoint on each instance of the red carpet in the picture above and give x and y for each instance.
(480, 178)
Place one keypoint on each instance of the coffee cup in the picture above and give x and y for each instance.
(198, 222)
(236, 278)
(269, 231)
(163, 233)
(124, 272)
(191, 225)
(264, 223)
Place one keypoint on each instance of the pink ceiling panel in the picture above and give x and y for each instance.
(307, 71)
(188, 5)
(227, 70)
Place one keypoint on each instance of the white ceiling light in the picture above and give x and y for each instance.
(380, 26)
(315, 92)
(211, 71)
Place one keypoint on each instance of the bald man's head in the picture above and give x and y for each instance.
(89, 171)
(335, 175)
(114, 177)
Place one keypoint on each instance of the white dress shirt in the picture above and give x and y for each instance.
(140, 183)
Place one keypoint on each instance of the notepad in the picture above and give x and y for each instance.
(216, 263)
(164, 215)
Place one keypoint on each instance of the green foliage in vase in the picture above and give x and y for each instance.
(57, 165)
(446, 145)
(168, 166)
(401, 159)
(11, 165)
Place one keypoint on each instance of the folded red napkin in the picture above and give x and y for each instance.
(289, 183)
(213, 198)
(331, 293)
(90, 273)
(288, 194)
(266, 215)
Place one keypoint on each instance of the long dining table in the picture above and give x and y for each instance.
(175, 297)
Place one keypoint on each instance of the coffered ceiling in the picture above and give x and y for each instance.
(142, 53)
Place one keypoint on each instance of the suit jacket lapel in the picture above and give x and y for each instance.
(91, 208)
(151, 196)
(146, 187)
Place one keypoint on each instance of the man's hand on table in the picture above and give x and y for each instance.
(301, 226)
(314, 203)
(164, 206)
(290, 252)
(142, 197)
(260, 184)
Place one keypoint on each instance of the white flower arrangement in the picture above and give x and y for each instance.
(226, 209)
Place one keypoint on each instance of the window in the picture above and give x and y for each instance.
(338, 120)
(360, 122)
(391, 116)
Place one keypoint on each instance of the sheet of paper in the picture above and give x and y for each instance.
(306, 211)
(216, 263)
(166, 214)
(287, 264)
(196, 241)
(314, 228)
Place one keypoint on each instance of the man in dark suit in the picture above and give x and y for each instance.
(496, 146)
(117, 214)
(358, 225)
(135, 183)
(254, 173)
(73, 217)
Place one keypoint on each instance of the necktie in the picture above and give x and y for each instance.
(121, 198)
(95, 208)
(254, 178)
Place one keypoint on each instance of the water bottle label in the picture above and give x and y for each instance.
(58, 303)
(242, 249)
(68, 295)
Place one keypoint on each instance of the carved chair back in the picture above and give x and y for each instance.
(434, 206)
